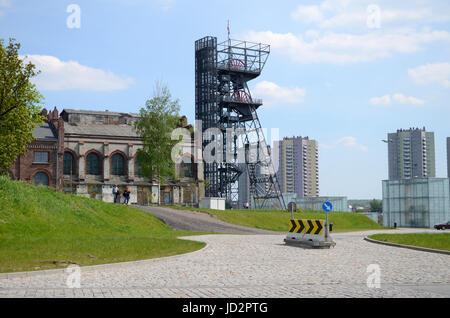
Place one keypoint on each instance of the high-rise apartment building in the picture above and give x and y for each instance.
(411, 154)
(298, 166)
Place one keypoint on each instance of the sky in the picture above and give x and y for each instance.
(342, 72)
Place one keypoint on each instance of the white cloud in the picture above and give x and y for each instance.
(398, 98)
(383, 100)
(348, 142)
(308, 14)
(57, 75)
(437, 73)
(274, 94)
(343, 48)
(354, 14)
(5, 3)
(351, 143)
(166, 4)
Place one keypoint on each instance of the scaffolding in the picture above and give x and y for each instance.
(228, 112)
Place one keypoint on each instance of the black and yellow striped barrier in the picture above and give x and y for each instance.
(311, 227)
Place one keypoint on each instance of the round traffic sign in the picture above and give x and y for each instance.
(327, 207)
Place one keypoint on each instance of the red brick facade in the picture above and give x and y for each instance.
(25, 168)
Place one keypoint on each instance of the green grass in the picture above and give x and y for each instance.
(439, 241)
(280, 221)
(41, 229)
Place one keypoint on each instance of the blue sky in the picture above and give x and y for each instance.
(342, 72)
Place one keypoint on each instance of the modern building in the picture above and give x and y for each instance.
(340, 204)
(298, 166)
(448, 157)
(315, 204)
(411, 154)
(416, 202)
(88, 152)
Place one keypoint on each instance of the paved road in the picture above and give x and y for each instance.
(199, 222)
(257, 266)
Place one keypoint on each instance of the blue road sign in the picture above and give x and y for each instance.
(327, 207)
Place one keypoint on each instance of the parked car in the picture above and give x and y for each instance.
(444, 226)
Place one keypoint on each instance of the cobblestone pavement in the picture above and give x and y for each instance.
(257, 266)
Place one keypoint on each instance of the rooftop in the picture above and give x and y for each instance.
(44, 133)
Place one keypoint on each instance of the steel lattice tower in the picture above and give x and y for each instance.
(224, 103)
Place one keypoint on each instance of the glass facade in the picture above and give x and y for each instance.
(418, 202)
(340, 204)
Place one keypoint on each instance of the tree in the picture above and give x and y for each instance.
(158, 119)
(376, 205)
(19, 104)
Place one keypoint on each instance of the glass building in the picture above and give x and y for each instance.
(417, 202)
(340, 204)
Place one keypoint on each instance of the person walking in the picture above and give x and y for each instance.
(116, 193)
(126, 195)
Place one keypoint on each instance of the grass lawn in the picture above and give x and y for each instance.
(280, 221)
(439, 241)
(41, 229)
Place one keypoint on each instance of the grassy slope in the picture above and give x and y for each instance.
(280, 221)
(42, 229)
(435, 241)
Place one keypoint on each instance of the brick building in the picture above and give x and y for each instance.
(87, 152)
(42, 163)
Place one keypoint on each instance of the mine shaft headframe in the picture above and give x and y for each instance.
(242, 56)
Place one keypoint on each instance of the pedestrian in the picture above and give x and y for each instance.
(116, 193)
(126, 195)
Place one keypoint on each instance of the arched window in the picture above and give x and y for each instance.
(186, 167)
(93, 164)
(137, 168)
(41, 178)
(69, 164)
(117, 165)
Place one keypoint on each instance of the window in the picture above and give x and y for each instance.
(41, 156)
(40, 178)
(93, 164)
(117, 165)
(186, 168)
(69, 164)
(137, 168)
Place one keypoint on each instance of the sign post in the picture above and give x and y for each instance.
(310, 233)
(327, 207)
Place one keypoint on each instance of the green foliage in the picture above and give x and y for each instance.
(19, 104)
(279, 220)
(43, 229)
(427, 240)
(159, 118)
(376, 205)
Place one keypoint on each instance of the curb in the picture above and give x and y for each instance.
(417, 248)
(100, 266)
